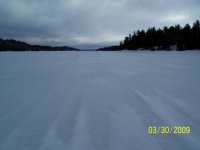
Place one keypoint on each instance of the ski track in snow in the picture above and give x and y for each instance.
(98, 100)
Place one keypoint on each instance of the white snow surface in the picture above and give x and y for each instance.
(98, 100)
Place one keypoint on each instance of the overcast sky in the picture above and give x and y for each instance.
(89, 23)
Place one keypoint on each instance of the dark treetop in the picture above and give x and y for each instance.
(168, 38)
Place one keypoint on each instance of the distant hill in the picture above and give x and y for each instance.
(13, 45)
(168, 38)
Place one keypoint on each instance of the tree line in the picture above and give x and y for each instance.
(14, 45)
(167, 38)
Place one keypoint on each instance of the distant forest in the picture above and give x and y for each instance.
(168, 38)
(13, 45)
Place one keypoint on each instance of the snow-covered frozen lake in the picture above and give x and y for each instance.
(98, 100)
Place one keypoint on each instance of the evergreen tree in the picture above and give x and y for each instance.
(166, 38)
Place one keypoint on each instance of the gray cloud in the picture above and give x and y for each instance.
(89, 23)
